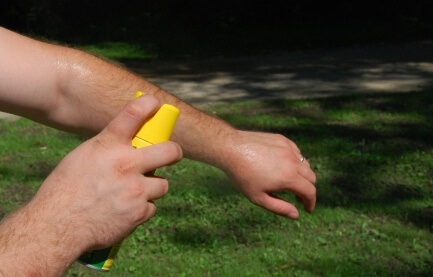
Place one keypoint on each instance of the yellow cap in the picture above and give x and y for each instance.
(158, 128)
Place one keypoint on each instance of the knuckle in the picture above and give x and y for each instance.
(123, 166)
(280, 139)
(135, 190)
(144, 213)
(283, 141)
(289, 173)
(161, 188)
(257, 200)
(133, 109)
(149, 212)
(102, 141)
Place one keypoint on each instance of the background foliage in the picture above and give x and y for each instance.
(193, 27)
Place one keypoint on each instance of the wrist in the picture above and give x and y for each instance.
(238, 150)
(225, 150)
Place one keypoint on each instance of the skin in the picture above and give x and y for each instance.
(73, 91)
(99, 186)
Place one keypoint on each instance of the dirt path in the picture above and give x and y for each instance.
(384, 68)
(392, 68)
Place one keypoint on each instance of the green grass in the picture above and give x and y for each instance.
(28, 153)
(373, 156)
(120, 50)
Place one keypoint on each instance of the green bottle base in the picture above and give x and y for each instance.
(101, 259)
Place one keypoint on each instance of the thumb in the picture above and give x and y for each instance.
(279, 206)
(124, 126)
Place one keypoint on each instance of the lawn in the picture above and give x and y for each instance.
(373, 156)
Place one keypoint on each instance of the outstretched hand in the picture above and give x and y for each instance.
(262, 164)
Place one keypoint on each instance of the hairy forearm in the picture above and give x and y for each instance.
(74, 91)
(33, 245)
(95, 90)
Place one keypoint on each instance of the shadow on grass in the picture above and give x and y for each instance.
(374, 264)
(379, 163)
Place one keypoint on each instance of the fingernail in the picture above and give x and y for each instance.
(293, 215)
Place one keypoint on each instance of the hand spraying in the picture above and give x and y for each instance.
(155, 130)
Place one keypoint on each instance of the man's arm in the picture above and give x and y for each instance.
(95, 197)
(33, 244)
(75, 91)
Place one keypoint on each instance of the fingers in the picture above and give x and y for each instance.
(124, 126)
(140, 194)
(155, 156)
(304, 187)
(307, 193)
(149, 212)
(278, 206)
(153, 187)
(305, 171)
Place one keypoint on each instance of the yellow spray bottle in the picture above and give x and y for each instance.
(155, 130)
